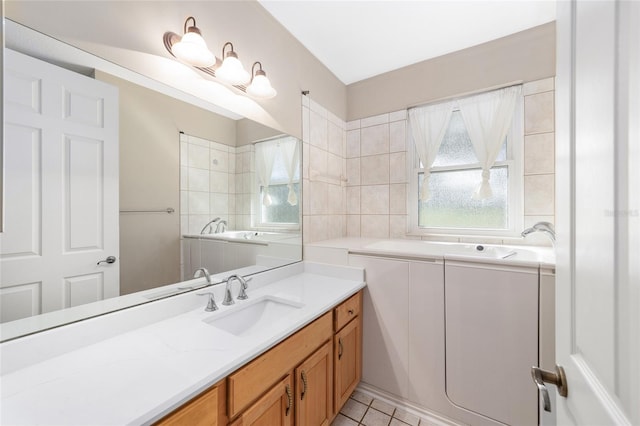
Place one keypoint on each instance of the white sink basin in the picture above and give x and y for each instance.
(254, 316)
(480, 250)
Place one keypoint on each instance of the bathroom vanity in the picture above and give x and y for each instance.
(450, 331)
(290, 354)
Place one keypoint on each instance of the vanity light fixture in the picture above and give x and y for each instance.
(232, 71)
(260, 86)
(192, 48)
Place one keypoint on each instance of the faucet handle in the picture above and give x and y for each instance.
(211, 304)
(242, 294)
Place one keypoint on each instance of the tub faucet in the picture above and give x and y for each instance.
(221, 227)
(203, 271)
(210, 225)
(544, 227)
(242, 294)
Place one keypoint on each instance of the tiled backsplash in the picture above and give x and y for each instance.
(373, 159)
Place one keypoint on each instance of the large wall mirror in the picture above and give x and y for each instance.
(99, 218)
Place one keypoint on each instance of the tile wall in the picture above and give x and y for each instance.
(207, 182)
(324, 173)
(377, 180)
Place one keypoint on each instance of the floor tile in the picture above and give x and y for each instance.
(354, 409)
(341, 420)
(406, 417)
(396, 422)
(362, 397)
(376, 418)
(383, 406)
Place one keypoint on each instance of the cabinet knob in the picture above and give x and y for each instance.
(350, 311)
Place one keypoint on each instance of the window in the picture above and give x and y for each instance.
(278, 183)
(454, 202)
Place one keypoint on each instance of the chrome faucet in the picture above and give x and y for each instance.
(544, 227)
(221, 227)
(203, 271)
(242, 294)
(210, 226)
(211, 304)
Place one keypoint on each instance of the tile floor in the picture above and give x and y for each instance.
(361, 409)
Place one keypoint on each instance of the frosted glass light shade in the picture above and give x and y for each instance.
(193, 50)
(261, 87)
(232, 72)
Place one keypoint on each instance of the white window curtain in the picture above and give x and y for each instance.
(488, 118)
(428, 126)
(265, 155)
(290, 149)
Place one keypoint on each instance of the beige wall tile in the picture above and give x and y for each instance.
(336, 226)
(353, 171)
(374, 199)
(352, 125)
(398, 136)
(335, 200)
(306, 129)
(198, 156)
(538, 86)
(375, 120)
(335, 165)
(398, 167)
(306, 148)
(398, 199)
(317, 108)
(353, 225)
(374, 226)
(539, 153)
(374, 140)
(306, 196)
(539, 193)
(398, 115)
(198, 179)
(539, 113)
(353, 200)
(318, 130)
(219, 182)
(335, 139)
(374, 169)
(397, 226)
(318, 228)
(353, 143)
(317, 194)
(318, 161)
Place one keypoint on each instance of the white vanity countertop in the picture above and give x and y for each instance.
(138, 376)
(508, 255)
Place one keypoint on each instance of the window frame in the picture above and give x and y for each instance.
(515, 167)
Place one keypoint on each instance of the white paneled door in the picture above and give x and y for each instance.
(61, 189)
(598, 252)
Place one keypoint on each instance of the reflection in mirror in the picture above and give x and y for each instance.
(133, 173)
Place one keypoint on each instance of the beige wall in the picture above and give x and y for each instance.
(130, 33)
(525, 56)
(150, 177)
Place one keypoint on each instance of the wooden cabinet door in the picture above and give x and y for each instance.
(348, 361)
(207, 409)
(314, 388)
(275, 408)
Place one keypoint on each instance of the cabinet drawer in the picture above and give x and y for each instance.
(348, 310)
(251, 381)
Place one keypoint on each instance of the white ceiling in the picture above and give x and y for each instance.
(358, 39)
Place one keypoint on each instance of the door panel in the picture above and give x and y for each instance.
(597, 293)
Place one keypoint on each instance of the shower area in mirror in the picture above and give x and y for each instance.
(239, 206)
